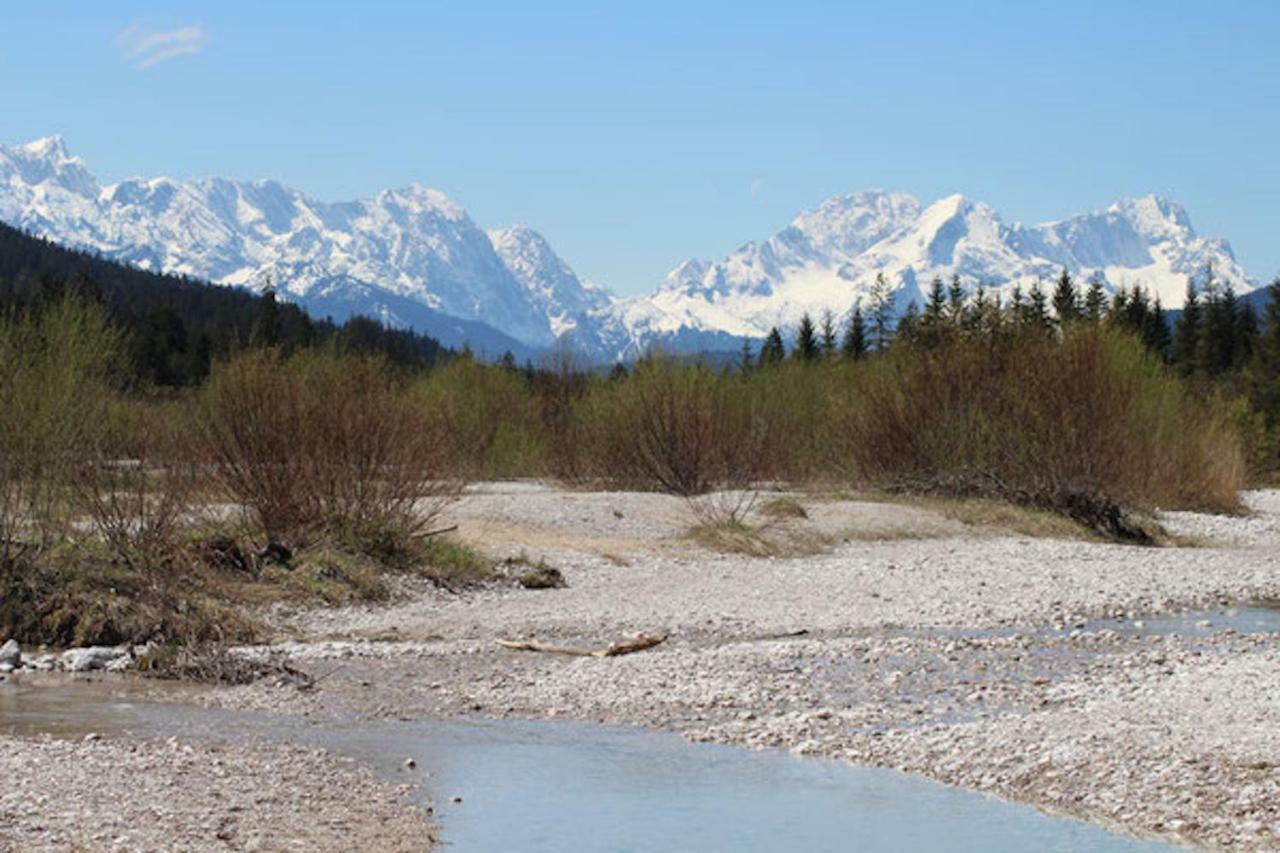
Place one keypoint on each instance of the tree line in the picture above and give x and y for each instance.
(177, 326)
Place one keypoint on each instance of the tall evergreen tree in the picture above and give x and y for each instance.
(855, 337)
(1155, 331)
(1186, 337)
(807, 346)
(1038, 308)
(1095, 300)
(935, 306)
(955, 300)
(1066, 301)
(772, 351)
(881, 313)
(828, 335)
(909, 324)
(266, 326)
(746, 359)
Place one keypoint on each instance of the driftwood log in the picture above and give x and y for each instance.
(622, 647)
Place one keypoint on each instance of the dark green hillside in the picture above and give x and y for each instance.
(177, 325)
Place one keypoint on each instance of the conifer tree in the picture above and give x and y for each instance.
(1265, 369)
(807, 345)
(1186, 338)
(1247, 333)
(1095, 300)
(1066, 301)
(772, 351)
(266, 326)
(935, 306)
(854, 346)
(1155, 331)
(1038, 308)
(746, 361)
(828, 334)
(955, 300)
(881, 313)
(909, 324)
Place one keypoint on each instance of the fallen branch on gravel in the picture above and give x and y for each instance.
(613, 650)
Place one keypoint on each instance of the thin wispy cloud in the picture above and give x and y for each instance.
(146, 48)
(757, 184)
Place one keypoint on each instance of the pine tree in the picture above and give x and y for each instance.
(855, 337)
(881, 313)
(1095, 300)
(1265, 369)
(908, 329)
(746, 361)
(1155, 331)
(955, 300)
(772, 351)
(1066, 301)
(266, 326)
(975, 314)
(935, 306)
(807, 346)
(1247, 334)
(1186, 337)
(1038, 308)
(828, 338)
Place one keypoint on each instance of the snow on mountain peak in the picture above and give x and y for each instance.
(46, 148)
(412, 253)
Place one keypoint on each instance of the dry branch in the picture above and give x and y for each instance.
(622, 647)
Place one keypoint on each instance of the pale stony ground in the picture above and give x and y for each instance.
(911, 640)
(129, 795)
(941, 649)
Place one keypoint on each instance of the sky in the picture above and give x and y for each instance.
(636, 135)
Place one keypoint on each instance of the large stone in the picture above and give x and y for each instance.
(91, 657)
(10, 654)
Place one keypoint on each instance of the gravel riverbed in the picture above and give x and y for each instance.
(1040, 670)
(1002, 662)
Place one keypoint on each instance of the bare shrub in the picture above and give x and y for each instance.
(1083, 426)
(135, 482)
(324, 444)
(489, 418)
(678, 428)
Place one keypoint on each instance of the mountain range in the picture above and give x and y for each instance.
(414, 258)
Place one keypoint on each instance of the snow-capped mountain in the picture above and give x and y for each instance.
(413, 257)
(828, 258)
(409, 256)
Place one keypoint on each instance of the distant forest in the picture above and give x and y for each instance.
(177, 326)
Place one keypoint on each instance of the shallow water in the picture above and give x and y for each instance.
(555, 786)
(1256, 618)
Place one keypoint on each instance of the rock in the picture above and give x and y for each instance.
(11, 654)
(456, 800)
(409, 763)
(91, 657)
(120, 664)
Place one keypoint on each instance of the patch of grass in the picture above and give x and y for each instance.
(737, 537)
(79, 594)
(453, 564)
(732, 537)
(1005, 516)
(331, 575)
(617, 560)
(778, 509)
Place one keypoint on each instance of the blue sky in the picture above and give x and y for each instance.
(635, 136)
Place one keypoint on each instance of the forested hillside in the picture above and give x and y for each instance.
(176, 325)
